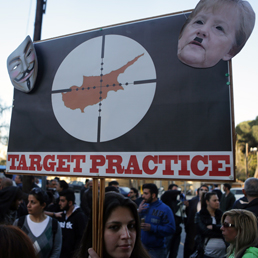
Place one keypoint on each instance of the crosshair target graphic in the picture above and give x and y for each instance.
(103, 88)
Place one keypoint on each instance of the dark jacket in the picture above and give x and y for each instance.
(240, 203)
(170, 199)
(86, 203)
(8, 210)
(243, 203)
(203, 219)
(218, 192)
(82, 192)
(190, 213)
(227, 202)
(190, 227)
(72, 231)
(252, 206)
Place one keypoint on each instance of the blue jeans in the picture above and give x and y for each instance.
(157, 252)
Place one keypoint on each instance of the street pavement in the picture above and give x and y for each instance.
(181, 246)
(77, 198)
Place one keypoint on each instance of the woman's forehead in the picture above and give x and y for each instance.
(31, 196)
(215, 6)
(116, 212)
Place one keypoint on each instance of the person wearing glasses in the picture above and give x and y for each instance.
(239, 228)
(209, 237)
(44, 231)
(192, 206)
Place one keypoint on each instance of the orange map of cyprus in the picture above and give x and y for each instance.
(94, 88)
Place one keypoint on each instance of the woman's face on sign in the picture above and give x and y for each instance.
(208, 37)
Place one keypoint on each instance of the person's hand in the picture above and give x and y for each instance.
(209, 226)
(58, 214)
(92, 253)
(186, 203)
(142, 206)
(145, 226)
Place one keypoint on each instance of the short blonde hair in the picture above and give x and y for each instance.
(245, 223)
(246, 19)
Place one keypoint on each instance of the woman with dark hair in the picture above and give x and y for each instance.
(239, 228)
(44, 232)
(15, 243)
(121, 225)
(209, 236)
(10, 199)
(61, 185)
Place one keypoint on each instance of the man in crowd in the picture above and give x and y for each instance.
(84, 188)
(6, 182)
(111, 189)
(52, 187)
(53, 183)
(217, 190)
(133, 194)
(72, 222)
(114, 183)
(251, 193)
(86, 203)
(171, 199)
(227, 199)
(157, 221)
(193, 206)
(1, 178)
(18, 181)
(10, 199)
(173, 187)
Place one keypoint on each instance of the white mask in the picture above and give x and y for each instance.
(22, 65)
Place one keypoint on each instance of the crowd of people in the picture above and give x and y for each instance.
(48, 223)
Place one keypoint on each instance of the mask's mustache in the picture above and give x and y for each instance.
(198, 40)
(26, 72)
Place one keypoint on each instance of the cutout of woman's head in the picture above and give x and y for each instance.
(215, 30)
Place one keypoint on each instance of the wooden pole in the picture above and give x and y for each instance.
(100, 215)
(95, 214)
(98, 195)
(246, 160)
(256, 161)
(256, 171)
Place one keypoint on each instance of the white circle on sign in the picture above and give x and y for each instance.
(103, 88)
